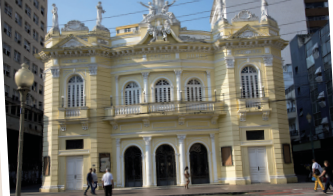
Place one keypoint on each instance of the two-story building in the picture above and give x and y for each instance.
(157, 97)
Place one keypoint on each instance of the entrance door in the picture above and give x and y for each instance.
(258, 164)
(74, 173)
(165, 166)
(199, 164)
(133, 167)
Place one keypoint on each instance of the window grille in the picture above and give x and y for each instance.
(250, 87)
(194, 90)
(132, 94)
(75, 92)
(162, 91)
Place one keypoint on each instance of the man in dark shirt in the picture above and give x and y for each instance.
(328, 171)
(90, 181)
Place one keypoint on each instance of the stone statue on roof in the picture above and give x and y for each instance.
(100, 11)
(166, 6)
(55, 23)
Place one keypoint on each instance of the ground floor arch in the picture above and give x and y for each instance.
(133, 167)
(165, 166)
(199, 164)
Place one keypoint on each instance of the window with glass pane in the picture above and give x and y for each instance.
(27, 45)
(308, 48)
(34, 69)
(7, 29)
(250, 86)
(27, 28)
(194, 90)
(6, 70)
(18, 38)
(42, 25)
(34, 50)
(317, 118)
(8, 10)
(36, 19)
(6, 49)
(28, 10)
(329, 93)
(75, 92)
(162, 91)
(36, 4)
(41, 41)
(41, 73)
(35, 35)
(74, 144)
(19, 3)
(42, 10)
(17, 56)
(18, 19)
(132, 94)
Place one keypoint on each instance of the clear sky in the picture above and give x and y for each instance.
(197, 11)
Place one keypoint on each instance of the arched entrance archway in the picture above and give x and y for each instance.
(133, 167)
(165, 166)
(199, 164)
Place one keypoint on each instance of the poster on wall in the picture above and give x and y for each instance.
(104, 161)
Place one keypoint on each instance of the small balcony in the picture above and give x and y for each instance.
(253, 106)
(73, 116)
(291, 113)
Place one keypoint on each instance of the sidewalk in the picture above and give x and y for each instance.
(212, 190)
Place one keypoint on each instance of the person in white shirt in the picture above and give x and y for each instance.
(95, 179)
(107, 180)
(316, 171)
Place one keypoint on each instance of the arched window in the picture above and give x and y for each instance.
(132, 94)
(162, 91)
(250, 88)
(194, 90)
(75, 92)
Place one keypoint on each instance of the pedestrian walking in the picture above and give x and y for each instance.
(328, 171)
(107, 180)
(187, 177)
(316, 171)
(95, 180)
(89, 182)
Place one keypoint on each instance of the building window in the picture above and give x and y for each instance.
(35, 19)
(315, 18)
(74, 144)
(27, 45)
(296, 70)
(162, 91)
(42, 10)
(36, 4)
(40, 89)
(75, 92)
(19, 3)
(194, 90)
(250, 88)
(6, 70)
(27, 61)
(127, 30)
(17, 56)
(8, 10)
(34, 87)
(316, 5)
(27, 28)
(28, 10)
(317, 119)
(329, 94)
(132, 94)
(40, 106)
(6, 90)
(35, 35)
(7, 29)
(299, 90)
(255, 135)
(40, 73)
(34, 69)
(42, 26)
(18, 38)
(226, 154)
(6, 49)
(286, 153)
(117, 31)
(35, 50)
(18, 19)
(42, 41)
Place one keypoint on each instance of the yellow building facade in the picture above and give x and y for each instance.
(158, 97)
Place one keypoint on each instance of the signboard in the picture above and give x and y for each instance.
(104, 162)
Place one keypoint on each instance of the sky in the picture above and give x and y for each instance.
(193, 14)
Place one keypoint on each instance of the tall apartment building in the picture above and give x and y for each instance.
(316, 12)
(24, 25)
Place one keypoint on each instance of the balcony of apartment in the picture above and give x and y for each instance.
(73, 115)
(177, 109)
(291, 113)
(294, 134)
(253, 106)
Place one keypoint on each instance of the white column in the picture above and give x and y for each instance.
(181, 141)
(179, 87)
(117, 91)
(118, 163)
(148, 159)
(209, 86)
(145, 86)
(212, 137)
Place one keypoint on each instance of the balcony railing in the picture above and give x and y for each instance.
(197, 106)
(73, 113)
(130, 109)
(161, 107)
(253, 104)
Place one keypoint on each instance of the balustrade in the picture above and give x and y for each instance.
(128, 109)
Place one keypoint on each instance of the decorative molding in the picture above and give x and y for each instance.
(214, 120)
(212, 136)
(257, 142)
(55, 72)
(178, 72)
(181, 120)
(62, 127)
(208, 74)
(118, 140)
(73, 152)
(74, 25)
(199, 131)
(245, 15)
(138, 126)
(146, 122)
(114, 125)
(93, 70)
(253, 127)
(242, 116)
(230, 62)
(69, 136)
(145, 75)
(265, 116)
(147, 140)
(181, 138)
(85, 126)
(268, 61)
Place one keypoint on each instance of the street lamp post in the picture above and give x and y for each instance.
(309, 117)
(24, 79)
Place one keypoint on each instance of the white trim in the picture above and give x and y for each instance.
(241, 67)
(67, 78)
(203, 88)
(136, 128)
(123, 90)
(257, 126)
(165, 131)
(168, 68)
(152, 88)
(69, 136)
(123, 163)
(257, 143)
(73, 152)
(236, 178)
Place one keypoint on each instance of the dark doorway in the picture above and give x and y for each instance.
(133, 167)
(199, 164)
(165, 166)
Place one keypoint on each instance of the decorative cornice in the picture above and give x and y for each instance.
(181, 138)
(178, 72)
(200, 131)
(145, 75)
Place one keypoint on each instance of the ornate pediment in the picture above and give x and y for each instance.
(245, 32)
(72, 44)
(245, 15)
(74, 25)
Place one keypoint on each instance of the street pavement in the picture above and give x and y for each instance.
(211, 190)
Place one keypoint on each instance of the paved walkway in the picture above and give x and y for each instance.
(212, 190)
